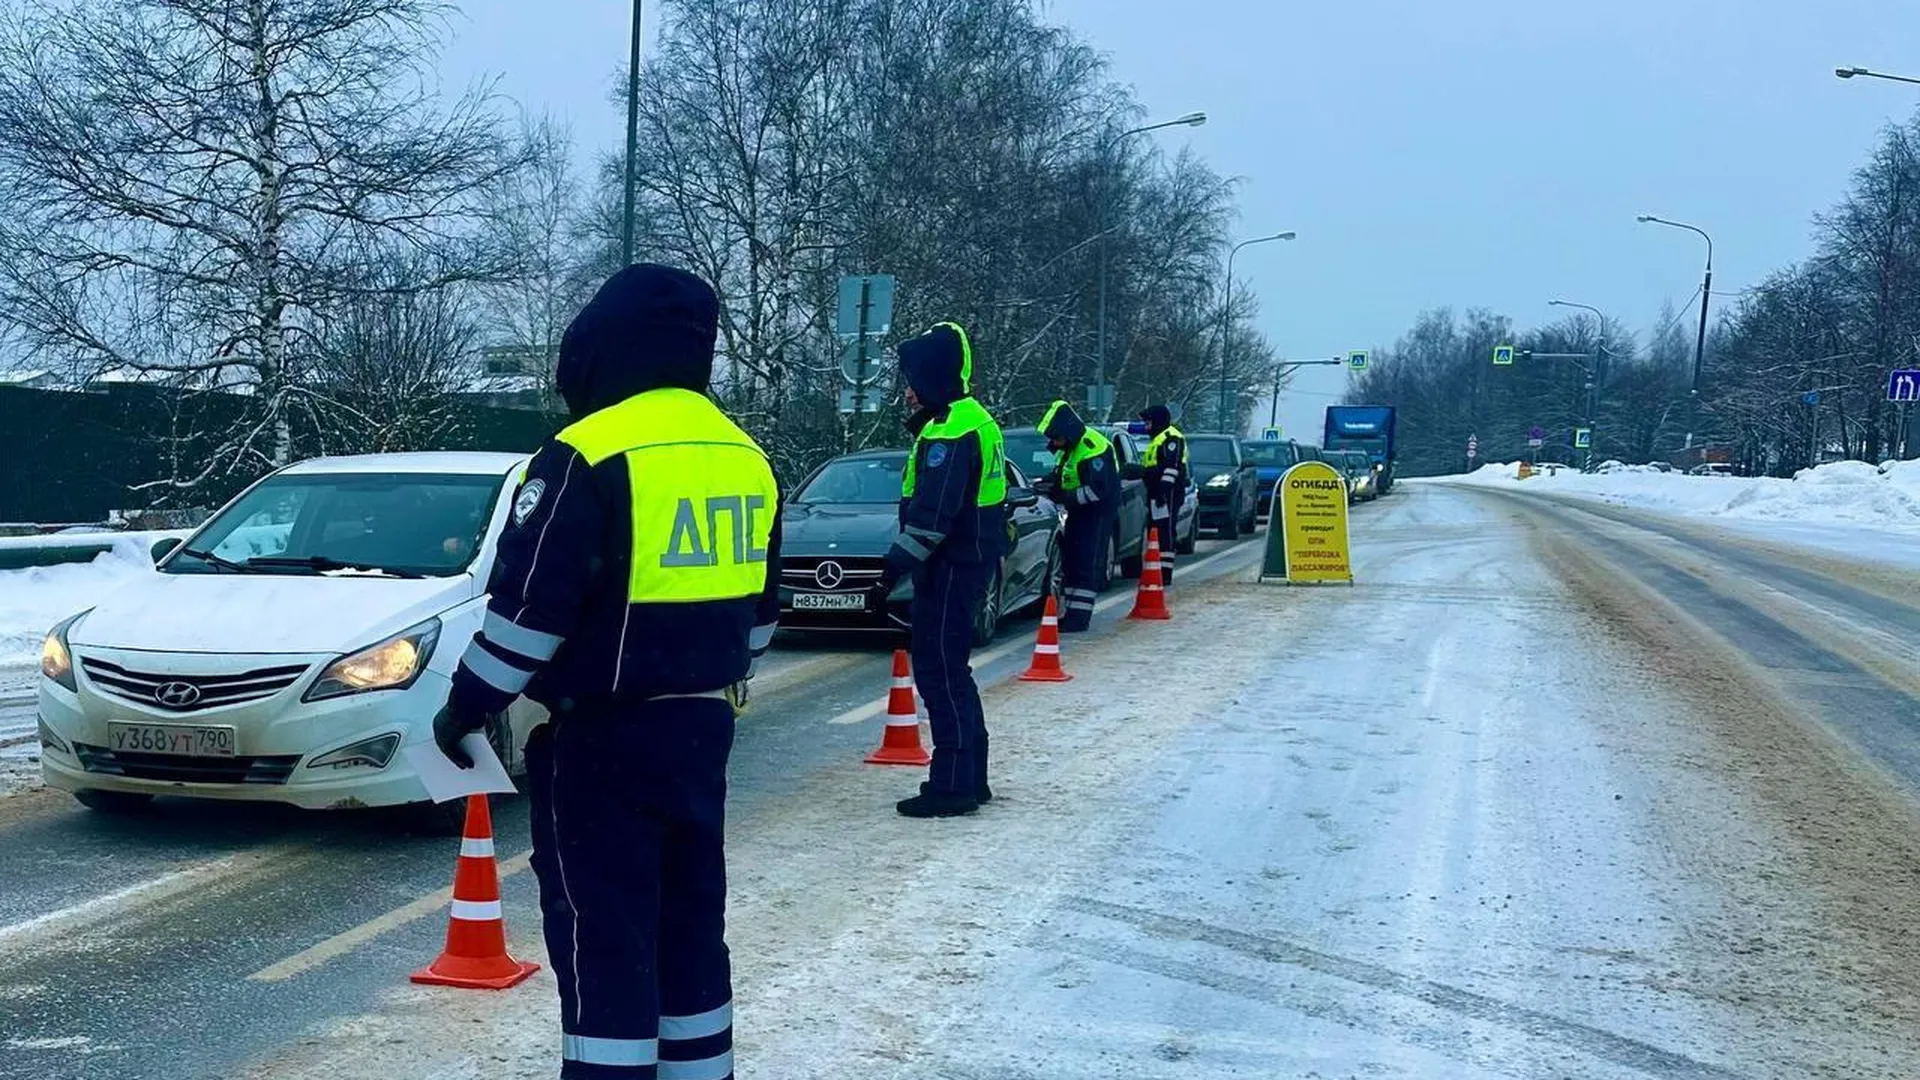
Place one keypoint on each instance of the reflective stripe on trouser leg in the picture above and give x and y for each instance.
(946, 598)
(618, 1053)
(697, 1047)
(1082, 547)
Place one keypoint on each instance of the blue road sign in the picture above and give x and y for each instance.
(1904, 385)
(1271, 434)
(1357, 359)
(1535, 433)
(1583, 438)
(1503, 354)
(1811, 397)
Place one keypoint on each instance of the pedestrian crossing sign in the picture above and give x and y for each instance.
(1357, 359)
(1583, 438)
(1503, 355)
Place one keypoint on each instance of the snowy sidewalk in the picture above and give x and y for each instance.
(1441, 824)
(1850, 508)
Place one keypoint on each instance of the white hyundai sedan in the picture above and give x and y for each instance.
(288, 649)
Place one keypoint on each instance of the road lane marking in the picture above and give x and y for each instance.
(874, 708)
(348, 940)
(439, 900)
(168, 884)
(799, 669)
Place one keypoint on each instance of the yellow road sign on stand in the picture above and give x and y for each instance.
(1308, 542)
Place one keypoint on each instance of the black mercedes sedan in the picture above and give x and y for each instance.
(837, 526)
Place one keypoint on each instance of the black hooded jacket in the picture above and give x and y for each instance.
(1096, 481)
(942, 519)
(559, 625)
(1166, 467)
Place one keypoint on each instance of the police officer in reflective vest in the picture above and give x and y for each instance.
(636, 582)
(953, 531)
(1166, 475)
(1088, 482)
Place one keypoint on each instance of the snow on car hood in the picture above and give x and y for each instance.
(264, 613)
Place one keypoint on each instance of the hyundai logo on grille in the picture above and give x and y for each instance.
(177, 695)
(829, 574)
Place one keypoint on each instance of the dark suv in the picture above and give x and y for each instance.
(1228, 482)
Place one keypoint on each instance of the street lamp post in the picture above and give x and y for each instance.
(1194, 119)
(1848, 73)
(1700, 340)
(1226, 316)
(1593, 373)
(1913, 428)
(633, 138)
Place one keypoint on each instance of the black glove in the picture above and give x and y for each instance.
(879, 591)
(448, 729)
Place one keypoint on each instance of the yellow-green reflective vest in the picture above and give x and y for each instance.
(1091, 445)
(967, 417)
(703, 496)
(1154, 445)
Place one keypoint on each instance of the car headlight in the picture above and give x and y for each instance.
(374, 752)
(1223, 480)
(56, 659)
(392, 664)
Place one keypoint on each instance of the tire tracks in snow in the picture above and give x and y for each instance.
(1803, 765)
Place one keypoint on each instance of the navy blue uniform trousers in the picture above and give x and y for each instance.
(1082, 545)
(1164, 517)
(629, 813)
(946, 599)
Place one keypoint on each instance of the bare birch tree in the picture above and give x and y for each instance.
(189, 181)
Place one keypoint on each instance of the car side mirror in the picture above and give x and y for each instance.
(1022, 497)
(1133, 470)
(163, 547)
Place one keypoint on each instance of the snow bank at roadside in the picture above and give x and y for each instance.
(1843, 492)
(32, 600)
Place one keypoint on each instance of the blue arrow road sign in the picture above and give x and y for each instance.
(1904, 385)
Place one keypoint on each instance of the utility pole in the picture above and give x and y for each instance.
(1700, 341)
(1593, 375)
(633, 138)
(1226, 320)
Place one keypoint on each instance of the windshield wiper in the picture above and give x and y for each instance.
(220, 561)
(323, 563)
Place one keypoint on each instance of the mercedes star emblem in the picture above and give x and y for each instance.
(829, 574)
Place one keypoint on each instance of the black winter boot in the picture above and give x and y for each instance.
(984, 794)
(929, 804)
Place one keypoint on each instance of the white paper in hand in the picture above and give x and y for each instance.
(445, 780)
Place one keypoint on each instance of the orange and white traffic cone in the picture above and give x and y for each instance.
(901, 743)
(1150, 600)
(1046, 649)
(476, 954)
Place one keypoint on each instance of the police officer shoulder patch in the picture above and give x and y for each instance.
(525, 503)
(936, 455)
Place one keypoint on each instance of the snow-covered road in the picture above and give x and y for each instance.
(1502, 809)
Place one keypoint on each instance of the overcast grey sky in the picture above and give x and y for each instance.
(1475, 153)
